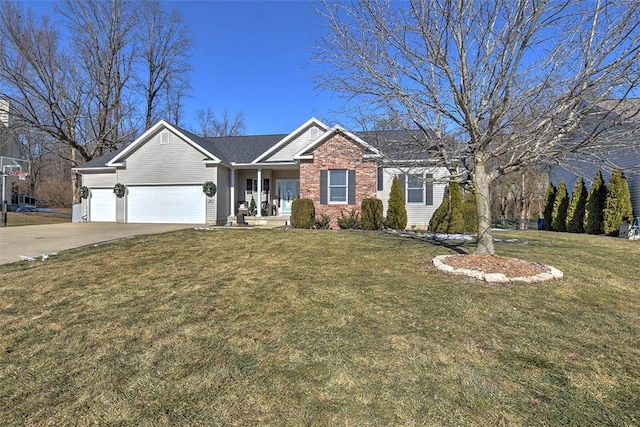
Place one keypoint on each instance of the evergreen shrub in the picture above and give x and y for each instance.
(547, 213)
(594, 210)
(560, 207)
(396, 211)
(617, 206)
(350, 221)
(372, 214)
(575, 214)
(302, 213)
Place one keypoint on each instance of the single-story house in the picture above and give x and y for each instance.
(162, 174)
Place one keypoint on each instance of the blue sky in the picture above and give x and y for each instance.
(253, 57)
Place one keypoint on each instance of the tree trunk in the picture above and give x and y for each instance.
(75, 177)
(481, 184)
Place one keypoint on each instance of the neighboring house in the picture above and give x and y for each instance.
(625, 116)
(165, 168)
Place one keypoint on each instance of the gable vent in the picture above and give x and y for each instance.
(164, 137)
(313, 133)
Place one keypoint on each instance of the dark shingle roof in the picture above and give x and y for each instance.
(399, 145)
(245, 148)
(100, 162)
(394, 144)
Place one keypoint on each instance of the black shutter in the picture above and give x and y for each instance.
(351, 187)
(403, 186)
(323, 187)
(380, 178)
(429, 188)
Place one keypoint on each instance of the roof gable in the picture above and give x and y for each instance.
(294, 139)
(307, 151)
(195, 141)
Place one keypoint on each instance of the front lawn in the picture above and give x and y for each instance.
(262, 327)
(37, 218)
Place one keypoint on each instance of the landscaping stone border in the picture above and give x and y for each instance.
(552, 273)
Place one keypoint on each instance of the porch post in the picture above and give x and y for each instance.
(259, 201)
(232, 189)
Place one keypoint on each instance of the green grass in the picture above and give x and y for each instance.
(37, 218)
(260, 327)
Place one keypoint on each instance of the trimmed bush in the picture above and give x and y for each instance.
(437, 223)
(302, 213)
(594, 211)
(560, 207)
(449, 217)
(575, 214)
(396, 211)
(456, 219)
(470, 213)
(547, 213)
(351, 221)
(617, 206)
(372, 214)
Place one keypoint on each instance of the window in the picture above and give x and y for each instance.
(415, 189)
(418, 188)
(337, 186)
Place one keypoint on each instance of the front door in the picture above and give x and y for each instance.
(287, 190)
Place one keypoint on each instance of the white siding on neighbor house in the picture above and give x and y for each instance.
(287, 152)
(96, 180)
(174, 163)
(418, 214)
(166, 204)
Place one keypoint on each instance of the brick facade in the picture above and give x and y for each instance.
(337, 153)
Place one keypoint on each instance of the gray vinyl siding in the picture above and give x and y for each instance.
(164, 164)
(627, 159)
(418, 214)
(221, 205)
(287, 152)
(99, 180)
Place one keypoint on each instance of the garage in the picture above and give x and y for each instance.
(102, 205)
(166, 204)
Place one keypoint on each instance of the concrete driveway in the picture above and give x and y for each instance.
(35, 240)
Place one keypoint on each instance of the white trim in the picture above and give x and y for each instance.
(152, 130)
(300, 155)
(292, 135)
(104, 168)
(346, 187)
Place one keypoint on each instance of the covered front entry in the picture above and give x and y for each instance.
(171, 204)
(287, 190)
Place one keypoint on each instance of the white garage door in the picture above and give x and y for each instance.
(102, 205)
(166, 204)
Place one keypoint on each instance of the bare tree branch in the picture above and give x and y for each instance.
(513, 83)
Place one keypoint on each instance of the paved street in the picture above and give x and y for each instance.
(35, 240)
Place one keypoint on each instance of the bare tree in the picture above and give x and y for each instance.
(81, 92)
(102, 39)
(166, 46)
(227, 125)
(514, 82)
